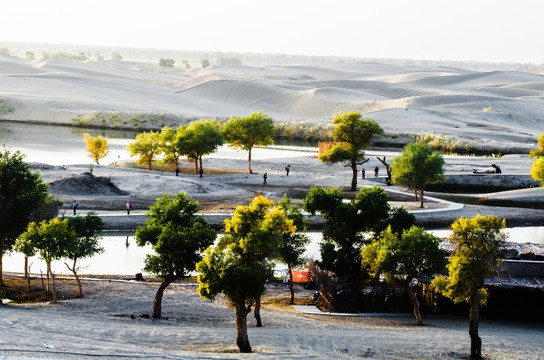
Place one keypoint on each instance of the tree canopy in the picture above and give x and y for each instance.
(178, 237)
(476, 243)
(537, 168)
(418, 166)
(52, 240)
(199, 138)
(97, 147)
(246, 132)
(239, 264)
(292, 245)
(21, 193)
(412, 255)
(168, 147)
(147, 146)
(88, 230)
(354, 133)
(345, 224)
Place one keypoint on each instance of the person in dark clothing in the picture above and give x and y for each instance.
(74, 206)
(376, 171)
(265, 176)
(287, 168)
(201, 172)
(177, 171)
(363, 173)
(129, 206)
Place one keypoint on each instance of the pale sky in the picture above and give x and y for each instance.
(481, 30)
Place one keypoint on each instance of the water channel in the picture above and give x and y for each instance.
(59, 145)
(120, 259)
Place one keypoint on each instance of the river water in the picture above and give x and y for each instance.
(120, 259)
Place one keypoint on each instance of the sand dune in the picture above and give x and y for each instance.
(502, 107)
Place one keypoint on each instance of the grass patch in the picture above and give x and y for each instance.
(16, 289)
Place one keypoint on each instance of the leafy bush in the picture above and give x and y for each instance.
(166, 62)
(303, 131)
(6, 106)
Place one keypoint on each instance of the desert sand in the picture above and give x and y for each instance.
(498, 107)
(489, 107)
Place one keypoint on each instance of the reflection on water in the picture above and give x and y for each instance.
(530, 234)
(59, 145)
(62, 145)
(120, 259)
(117, 258)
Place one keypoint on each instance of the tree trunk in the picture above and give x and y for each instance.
(1, 271)
(242, 341)
(157, 304)
(26, 267)
(257, 312)
(196, 166)
(415, 302)
(475, 340)
(48, 270)
(73, 270)
(354, 176)
(421, 198)
(53, 282)
(249, 161)
(200, 160)
(291, 290)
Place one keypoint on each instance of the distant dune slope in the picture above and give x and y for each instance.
(496, 107)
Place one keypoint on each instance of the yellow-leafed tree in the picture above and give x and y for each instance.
(97, 147)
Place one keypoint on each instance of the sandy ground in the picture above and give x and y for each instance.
(219, 193)
(100, 326)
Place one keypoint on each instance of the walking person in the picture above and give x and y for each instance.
(201, 172)
(287, 168)
(177, 171)
(129, 206)
(376, 171)
(363, 173)
(74, 206)
(265, 176)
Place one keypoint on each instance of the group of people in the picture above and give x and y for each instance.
(287, 169)
(128, 206)
(376, 172)
(200, 172)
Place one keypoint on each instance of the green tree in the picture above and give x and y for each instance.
(205, 63)
(52, 240)
(476, 243)
(5, 52)
(418, 166)
(199, 138)
(86, 243)
(169, 147)
(166, 62)
(239, 264)
(292, 245)
(29, 55)
(46, 210)
(178, 237)
(116, 56)
(97, 147)
(246, 132)
(353, 134)
(345, 223)
(537, 168)
(405, 259)
(21, 192)
(147, 146)
(186, 64)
